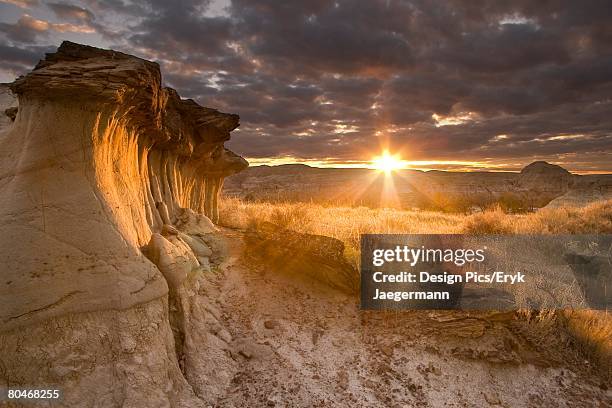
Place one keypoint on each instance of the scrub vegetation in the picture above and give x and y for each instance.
(590, 331)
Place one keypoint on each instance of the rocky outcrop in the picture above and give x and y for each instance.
(544, 179)
(102, 166)
(313, 257)
(8, 107)
(584, 191)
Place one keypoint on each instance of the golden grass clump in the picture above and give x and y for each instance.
(588, 331)
(592, 329)
(492, 221)
(595, 218)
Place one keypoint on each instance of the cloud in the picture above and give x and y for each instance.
(28, 28)
(339, 79)
(16, 60)
(71, 12)
(24, 4)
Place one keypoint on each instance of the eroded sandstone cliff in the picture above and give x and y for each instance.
(108, 185)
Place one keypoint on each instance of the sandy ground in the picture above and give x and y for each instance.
(299, 343)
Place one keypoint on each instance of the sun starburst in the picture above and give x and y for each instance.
(387, 162)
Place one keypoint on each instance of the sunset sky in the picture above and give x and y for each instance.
(450, 85)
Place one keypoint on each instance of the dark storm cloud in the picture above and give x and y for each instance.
(16, 59)
(312, 38)
(511, 47)
(23, 56)
(475, 80)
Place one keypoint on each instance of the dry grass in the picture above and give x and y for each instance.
(347, 223)
(595, 218)
(583, 333)
(492, 221)
(590, 330)
(343, 223)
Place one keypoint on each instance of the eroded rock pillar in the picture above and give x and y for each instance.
(211, 198)
(217, 185)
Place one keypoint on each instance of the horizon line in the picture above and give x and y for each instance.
(418, 165)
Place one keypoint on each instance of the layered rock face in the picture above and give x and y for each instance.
(108, 185)
(8, 107)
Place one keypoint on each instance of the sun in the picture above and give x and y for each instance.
(387, 162)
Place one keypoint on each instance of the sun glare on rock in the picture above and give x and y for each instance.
(387, 162)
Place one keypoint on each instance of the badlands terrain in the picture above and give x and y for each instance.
(537, 185)
(121, 288)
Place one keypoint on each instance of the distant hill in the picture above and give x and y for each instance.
(535, 186)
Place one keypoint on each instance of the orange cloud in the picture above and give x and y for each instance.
(21, 3)
(34, 24)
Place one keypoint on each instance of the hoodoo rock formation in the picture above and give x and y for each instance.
(108, 185)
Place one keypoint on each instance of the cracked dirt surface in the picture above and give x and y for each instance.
(299, 343)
